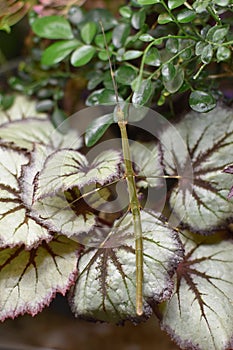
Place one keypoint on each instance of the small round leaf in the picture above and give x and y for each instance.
(56, 52)
(138, 19)
(132, 55)
(172, 4)
(125, 11)
(172, 45)
(82, 55)
(207, 54)
(143, 93)
(153, 57)
(146, 37)
(201, 101)
(125, 75)
(99, 39)
(52, 27)
(102, 96)
(97, 129)
(102, 15)
(120, 34)
(164, 18)
(174, 84)
(168, 71)
(223, 53)
(88, 32)
(199, 47)
(186, 16)
(217, 33)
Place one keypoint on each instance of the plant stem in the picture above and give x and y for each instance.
(199, 71)
(141, 70)
(170, 60)
(213, 13)
(134, 207)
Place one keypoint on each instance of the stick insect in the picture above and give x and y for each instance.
(134, 204)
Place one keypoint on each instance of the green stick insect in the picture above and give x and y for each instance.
(134, 204)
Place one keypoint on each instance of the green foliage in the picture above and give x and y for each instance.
(97, 129)
(52, 27)
(178, 55)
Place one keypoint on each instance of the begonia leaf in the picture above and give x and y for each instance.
(105, 289)
(22, 108)
(57, 213)
(15, 225)
(199, 313)
(21, 127)
(201, 203)
(30, 279)
(25, 133)
(147, 163)
(67, 168)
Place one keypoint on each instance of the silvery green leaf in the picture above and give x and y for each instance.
(146, 158)
(21, 126)
(201, 202)
(15, 225)
(105, 289)
(55, 213)
(65, 169)
(24, 134)
(30, 279)
(22, 108)
(199, 313)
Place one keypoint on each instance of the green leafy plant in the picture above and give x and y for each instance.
(178, 53)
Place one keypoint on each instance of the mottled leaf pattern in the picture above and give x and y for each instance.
(105, 289)
(22, 108)
(21, 126)
(15, 225)
(24, 133)
(203, 204)
(51, 196)
(66, 169)
(54, 212)
(199, 314)
(147, 162)
(30, 279)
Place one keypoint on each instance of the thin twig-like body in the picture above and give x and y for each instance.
(134, 203)
(134, 207)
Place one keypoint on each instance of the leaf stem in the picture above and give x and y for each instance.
(169, 36)
(214, 14)
(199, 71)
(170, 60)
